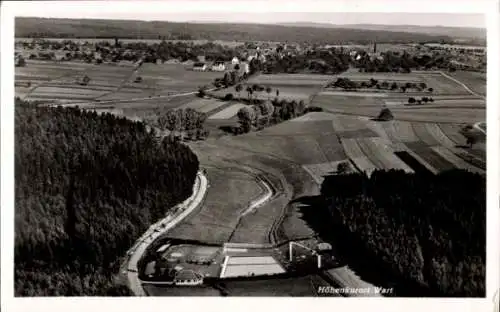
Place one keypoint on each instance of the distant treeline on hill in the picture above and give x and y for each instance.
(90, 28)
(86, 187)
(429, 229)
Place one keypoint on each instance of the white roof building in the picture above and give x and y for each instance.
(235, 61)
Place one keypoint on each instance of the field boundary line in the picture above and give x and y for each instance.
(462, 84)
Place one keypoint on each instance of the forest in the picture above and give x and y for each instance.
(428, 229)
(86, 187)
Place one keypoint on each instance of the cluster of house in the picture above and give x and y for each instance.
(221, 66)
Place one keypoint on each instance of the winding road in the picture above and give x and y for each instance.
(182, 210)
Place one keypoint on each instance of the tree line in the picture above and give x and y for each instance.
(348, 84)
(266, 113)
(394, 61)
(183, 122)
(429, 229)
(86, 187)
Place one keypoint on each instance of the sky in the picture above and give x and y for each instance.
(272, 11)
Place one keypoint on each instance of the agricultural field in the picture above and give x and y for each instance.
(476, 81)
(228, 112)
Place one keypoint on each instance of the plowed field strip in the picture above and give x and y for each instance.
(451, 131)
(404, 131)
(430, 156)
(457, 161)
(438, 134)
(423, 134)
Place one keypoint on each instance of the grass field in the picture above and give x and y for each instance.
(228, 196)
(476, 81)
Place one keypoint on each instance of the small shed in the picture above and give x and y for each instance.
(324, 246)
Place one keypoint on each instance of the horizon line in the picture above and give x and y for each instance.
(247, 22)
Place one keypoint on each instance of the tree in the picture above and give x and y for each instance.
(394, 86)
(234, 78)
(342, 167)
(277, 92)
(423, 85)
(250, 92)
(268, 91)
(430, 90)
(245, 119)
(227, 79)
(385, 115)
(238, 89)
(411, 100)
(471, 140)
(201, 91)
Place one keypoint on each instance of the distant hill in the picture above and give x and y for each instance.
(93, 28)
(454, 32)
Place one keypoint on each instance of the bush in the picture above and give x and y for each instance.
(310, 109)
(385, 115)
(228, 97)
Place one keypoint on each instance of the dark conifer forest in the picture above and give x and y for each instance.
(428, 229)
(86, 187)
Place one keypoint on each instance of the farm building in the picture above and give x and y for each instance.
(324, 246)
(219, 66)
(200, 66)
(201, 58)
(188, 278)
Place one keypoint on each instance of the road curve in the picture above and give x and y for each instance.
(184, 209)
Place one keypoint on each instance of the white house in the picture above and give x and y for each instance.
(245, 67)
(200, 66)
(219, 66)
(235, 61)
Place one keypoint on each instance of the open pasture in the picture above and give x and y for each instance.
(381, 77)
(424, 113)
(295, 127)
(291, 79)
(203, 105)
(442, 85)
(319, 171)
(331, 147)
(178, 74)
(452, 132)
(476, 81)
(226, 198)
(256, 227)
